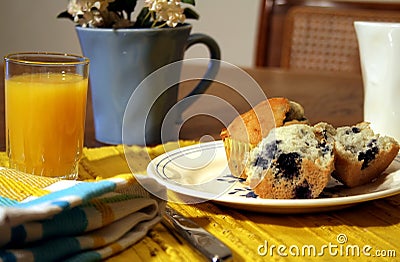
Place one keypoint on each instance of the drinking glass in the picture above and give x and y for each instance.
(45, 105)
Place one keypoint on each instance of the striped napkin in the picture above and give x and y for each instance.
(49, 219)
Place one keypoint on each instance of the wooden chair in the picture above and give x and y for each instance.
(316, 35)
(324, 39)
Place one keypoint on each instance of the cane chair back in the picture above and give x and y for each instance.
(324, 39)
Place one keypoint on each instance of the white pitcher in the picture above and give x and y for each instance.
(379, 46)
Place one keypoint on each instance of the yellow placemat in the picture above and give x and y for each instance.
(255, 236)
(108, 161)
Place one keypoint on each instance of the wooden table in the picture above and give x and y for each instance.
(252, 236)
(336, 98)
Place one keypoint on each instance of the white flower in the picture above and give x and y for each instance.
(88, 12)
(169, 11)
(100, 13)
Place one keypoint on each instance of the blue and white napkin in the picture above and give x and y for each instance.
(49, 219)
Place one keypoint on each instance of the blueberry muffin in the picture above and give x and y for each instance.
(362, 155)
(248, 129)
(292, 162)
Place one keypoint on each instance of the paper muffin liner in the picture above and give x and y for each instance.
(236, 154)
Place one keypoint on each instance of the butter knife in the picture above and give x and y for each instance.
(207, 244)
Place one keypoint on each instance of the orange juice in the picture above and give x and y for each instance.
(45, 119)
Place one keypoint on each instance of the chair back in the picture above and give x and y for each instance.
(324, 38)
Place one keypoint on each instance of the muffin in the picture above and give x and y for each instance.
(361, 155)
(248, 129)
(292, 162)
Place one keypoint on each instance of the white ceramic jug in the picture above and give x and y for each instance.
(379, 46)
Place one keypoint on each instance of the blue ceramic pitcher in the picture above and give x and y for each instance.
(121, 59)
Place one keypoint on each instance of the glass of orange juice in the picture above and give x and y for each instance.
(45, 105)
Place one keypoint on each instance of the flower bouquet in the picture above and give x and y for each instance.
(118, 13)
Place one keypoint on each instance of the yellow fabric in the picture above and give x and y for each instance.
(20, 190)
(374, 226)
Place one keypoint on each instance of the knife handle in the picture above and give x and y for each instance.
(211, 247)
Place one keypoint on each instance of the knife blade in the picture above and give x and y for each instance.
(207, 244)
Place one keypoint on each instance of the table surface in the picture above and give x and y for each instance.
(332, 97)
(336, 98)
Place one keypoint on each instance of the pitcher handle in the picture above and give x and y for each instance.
(213, 65)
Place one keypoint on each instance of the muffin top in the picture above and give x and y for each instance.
(256, 123)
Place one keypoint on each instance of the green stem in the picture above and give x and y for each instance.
(147, 16)
(160, 26)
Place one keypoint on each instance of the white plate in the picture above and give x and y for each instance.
(201, 171)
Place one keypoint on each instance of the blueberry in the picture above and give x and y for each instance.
(262, 162)
(368, 155)
(288, 165)
(267, 155)
(271, 149)
(325, 149)
(302, 191)
(325, 134)
(372, 143)
(353, 130)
